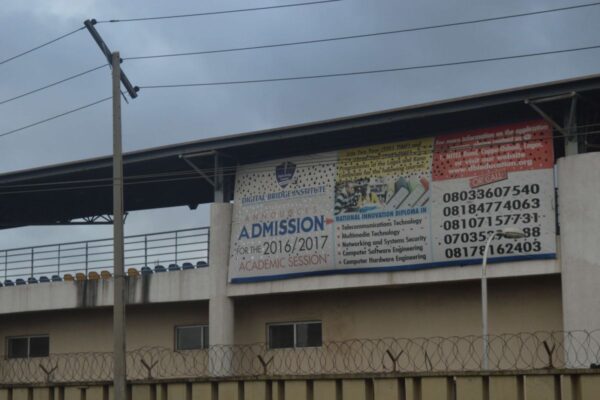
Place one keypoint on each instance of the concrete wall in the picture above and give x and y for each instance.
(382, 279)
(193, 285)
(579, 198)
(91, 330)
(515, 304)
(540, 386)
(189, 285)
(523, 304)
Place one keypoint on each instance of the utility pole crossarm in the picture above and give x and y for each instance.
(89, 24)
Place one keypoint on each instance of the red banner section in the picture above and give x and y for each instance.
(488, 155)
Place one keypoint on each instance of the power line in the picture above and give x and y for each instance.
(217, 12)
(41, 46)
(53, 84)
(55, 117)
(231, 171)
(377, 71)
(304, 42)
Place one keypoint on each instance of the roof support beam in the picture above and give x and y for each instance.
(572, 139)
(570, 122)
(217, 180)
(185, 157)
(533, 103)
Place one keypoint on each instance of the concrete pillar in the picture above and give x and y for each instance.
(579, 216)
(220, 307)
(567, 389)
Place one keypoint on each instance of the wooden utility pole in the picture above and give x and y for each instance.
(119, 326)
(119, 338)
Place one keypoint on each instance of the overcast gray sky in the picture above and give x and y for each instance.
(160, 117)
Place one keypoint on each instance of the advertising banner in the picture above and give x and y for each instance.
(422, 203)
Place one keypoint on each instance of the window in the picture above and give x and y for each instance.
(294, 334)
(191, 337)
(28, 346)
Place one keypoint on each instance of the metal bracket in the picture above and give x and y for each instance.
(186, 158)
(533, 103)
(217, 180)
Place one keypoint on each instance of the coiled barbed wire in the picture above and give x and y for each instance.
(507, 352)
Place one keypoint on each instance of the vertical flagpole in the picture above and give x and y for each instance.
(119, 370)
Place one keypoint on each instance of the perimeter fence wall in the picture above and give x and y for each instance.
(508, 352)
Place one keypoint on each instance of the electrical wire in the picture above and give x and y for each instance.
(377, 71)
(52, 84)
(232, 171)
(422, 28)
(41, 46)
(216, 12)
(38, 47)
(319, 159)
(54, 117)
(168, 86)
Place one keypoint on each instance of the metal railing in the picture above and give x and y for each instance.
(164, 248)
(508, 352)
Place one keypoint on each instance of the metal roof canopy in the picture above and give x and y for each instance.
(176, 175)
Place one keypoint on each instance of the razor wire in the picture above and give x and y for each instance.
(543, 350)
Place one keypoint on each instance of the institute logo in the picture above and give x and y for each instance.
(284, 173)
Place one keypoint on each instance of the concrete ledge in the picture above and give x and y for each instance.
(188, 285)
(581, 372)
(397, 278)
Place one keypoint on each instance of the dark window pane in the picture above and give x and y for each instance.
(189, 337)
(205, 341)
(308, 335)
(17, 347)
(281, 336)
(39, 346)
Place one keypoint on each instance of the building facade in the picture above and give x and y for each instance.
(263, 296)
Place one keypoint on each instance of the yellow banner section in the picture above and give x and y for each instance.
(406, 158)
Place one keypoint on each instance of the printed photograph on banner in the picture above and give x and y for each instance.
(381, 193)
(383, 177)
(282, 217)
(490, 179)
